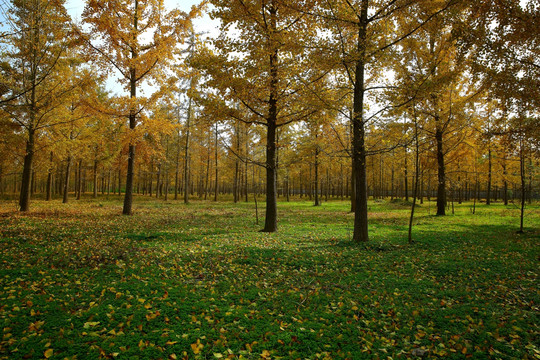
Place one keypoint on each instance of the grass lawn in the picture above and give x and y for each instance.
(81, 281)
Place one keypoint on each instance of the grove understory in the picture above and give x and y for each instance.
(198, 281)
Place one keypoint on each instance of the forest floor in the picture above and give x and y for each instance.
(81, 281)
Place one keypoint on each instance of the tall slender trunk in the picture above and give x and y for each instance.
(119, 181)
(236, 181)
(79, 180)
(24, 199)
(216, 189)
(128, 198)
(94, 195)
(270, 224)
(360, 233)
(392, 178)
(316, 168)
(341, 194)
(416, 176)
(151, 178)
(109, 183)
(187, 184)
(66, 180)
(207, 169)
(441, 186)
(406, 175)
(177, 168)
(246, 190)
(505, 184)
(488, 196)
(158, 181)
(49, 177)
(166, 175)
(522, 177)
(327, 192)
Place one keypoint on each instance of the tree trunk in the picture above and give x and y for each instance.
(406, 175)
(246, 190)
(392, 178)
(66, 180)
(522, 177)
(94, 195)
(24, 199)
(441, 186)
(119, 180)
(360, 233)
(206, 182)
(316, 168)
(128, 198)
(158, 182)
(187, 184)
(416, 177)
(49, 178)
(236, 181)
(505, 184)
(166, 175)
(216, 189)
(79, 181)
(270, 224)
(488, 196)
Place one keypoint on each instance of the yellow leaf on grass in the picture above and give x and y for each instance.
(48, 353)
(197, 347)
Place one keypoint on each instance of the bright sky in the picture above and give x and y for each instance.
(203, 24)
(76, 7)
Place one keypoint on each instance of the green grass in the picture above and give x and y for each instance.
(81, 281)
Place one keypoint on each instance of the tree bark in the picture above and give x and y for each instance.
(360, 233)
(316, 168)
(406, 175)
(79, 181)
(66, 180)
(94, 195)
(186, 155)
(49, 178)
(416, 177)
(24, 199)
(441, 185)
(128, 197)
(270, 223)
(236, 182)
(216, 189)
(523, 188)
(488, 196)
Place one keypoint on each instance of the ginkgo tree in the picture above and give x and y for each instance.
(37, 64)
(363, 33)
(260, 68)
(138, 39)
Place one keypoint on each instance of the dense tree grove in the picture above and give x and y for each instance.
(320, 100)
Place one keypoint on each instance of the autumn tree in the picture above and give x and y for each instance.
(363, 33)
(260, 63)
(137, 39)
(35, 56)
